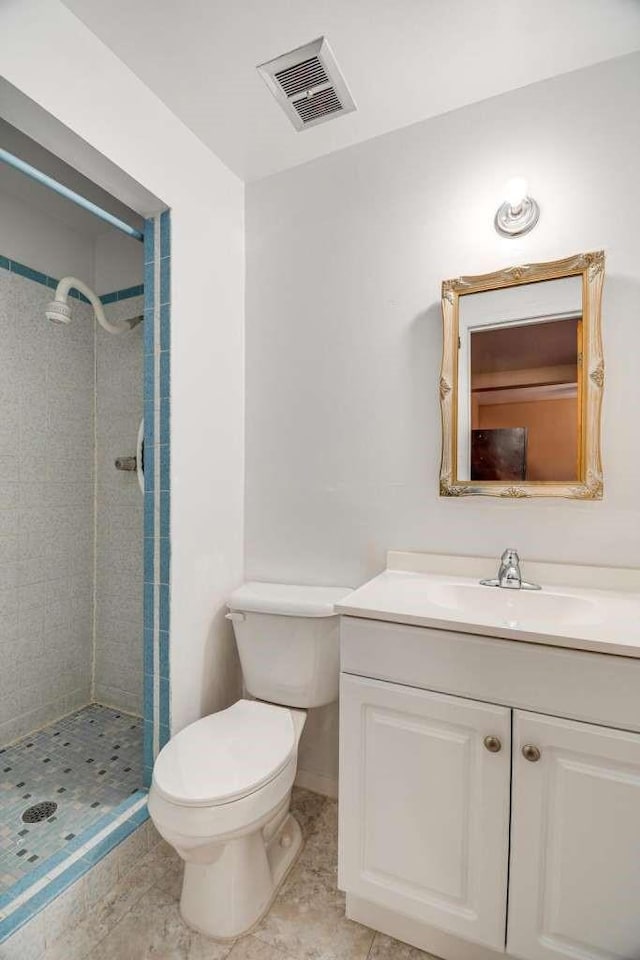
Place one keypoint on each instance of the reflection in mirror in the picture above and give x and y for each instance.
(519, 410)
(524, 402)
(522, 381)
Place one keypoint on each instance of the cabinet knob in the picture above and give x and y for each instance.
(531, 753)
(492, 744)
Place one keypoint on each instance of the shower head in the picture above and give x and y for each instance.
(58, 311)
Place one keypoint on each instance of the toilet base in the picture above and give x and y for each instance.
(227, 898)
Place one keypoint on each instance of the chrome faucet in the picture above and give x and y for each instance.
(509, 576)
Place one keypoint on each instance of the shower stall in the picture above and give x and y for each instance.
(83, 694)
(71, 618)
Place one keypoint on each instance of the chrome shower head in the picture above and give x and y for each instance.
(58, 311)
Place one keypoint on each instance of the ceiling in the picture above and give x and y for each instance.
(551, 344)
(404, 60)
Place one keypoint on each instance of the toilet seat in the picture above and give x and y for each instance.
(227, 755)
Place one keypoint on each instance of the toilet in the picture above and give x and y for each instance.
(221, 788)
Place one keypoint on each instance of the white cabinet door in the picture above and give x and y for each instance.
(424, 806)
(575, 842)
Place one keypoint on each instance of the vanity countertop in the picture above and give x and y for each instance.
(444, 593)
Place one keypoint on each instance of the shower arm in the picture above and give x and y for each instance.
(72, 283)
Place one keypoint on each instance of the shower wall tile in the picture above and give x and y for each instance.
(46, 507)
(119, 514)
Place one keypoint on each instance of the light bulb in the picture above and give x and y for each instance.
(519, 212)
(515, 192)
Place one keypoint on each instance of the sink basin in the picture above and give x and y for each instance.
(584, 617)
(513, 607)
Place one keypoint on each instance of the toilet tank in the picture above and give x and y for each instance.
(288, 642)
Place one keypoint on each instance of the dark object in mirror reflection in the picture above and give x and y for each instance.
(499, 454)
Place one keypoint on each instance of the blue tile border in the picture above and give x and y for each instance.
(78, 867)
(46, 866)
(22, 270)
(43, 898)
(165, 234)
(29, 274)
(126, 294)
(149, 240)
(157, 548)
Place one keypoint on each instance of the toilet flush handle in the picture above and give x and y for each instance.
(235, 617)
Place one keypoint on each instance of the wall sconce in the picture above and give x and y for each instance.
(519, 213)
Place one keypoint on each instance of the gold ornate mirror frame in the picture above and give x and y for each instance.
(589, 486)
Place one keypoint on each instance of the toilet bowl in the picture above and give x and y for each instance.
(220, 797)
(221, 787)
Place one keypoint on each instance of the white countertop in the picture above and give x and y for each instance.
(578, 617)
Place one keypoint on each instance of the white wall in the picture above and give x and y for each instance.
(106, 261)
(38, 241)
(50, 233)
(101, 101)
(345, 257)
(119, 262)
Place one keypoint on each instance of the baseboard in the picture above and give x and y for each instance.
(317, 783)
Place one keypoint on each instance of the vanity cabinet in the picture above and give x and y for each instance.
(574, 884)
(425, 807)
(481, 817)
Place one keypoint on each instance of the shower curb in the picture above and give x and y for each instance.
(90, 848)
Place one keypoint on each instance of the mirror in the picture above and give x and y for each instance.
(522, 379)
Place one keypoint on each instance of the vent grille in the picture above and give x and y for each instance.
(301, 76)
(308, 85)
(318, 105)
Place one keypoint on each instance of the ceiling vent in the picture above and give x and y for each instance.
(308, 85)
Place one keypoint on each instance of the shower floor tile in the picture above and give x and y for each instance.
(86, 763)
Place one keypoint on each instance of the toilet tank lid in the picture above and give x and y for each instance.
(287, 599)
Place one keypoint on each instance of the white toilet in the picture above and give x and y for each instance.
(222, 786)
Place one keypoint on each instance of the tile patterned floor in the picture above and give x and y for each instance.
(139, 919)
(87, 763)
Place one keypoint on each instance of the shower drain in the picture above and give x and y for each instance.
(39, 811)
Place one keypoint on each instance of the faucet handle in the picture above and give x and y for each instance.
(509, 575)
(510, 556)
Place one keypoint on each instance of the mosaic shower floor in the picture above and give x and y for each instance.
(86, 763)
